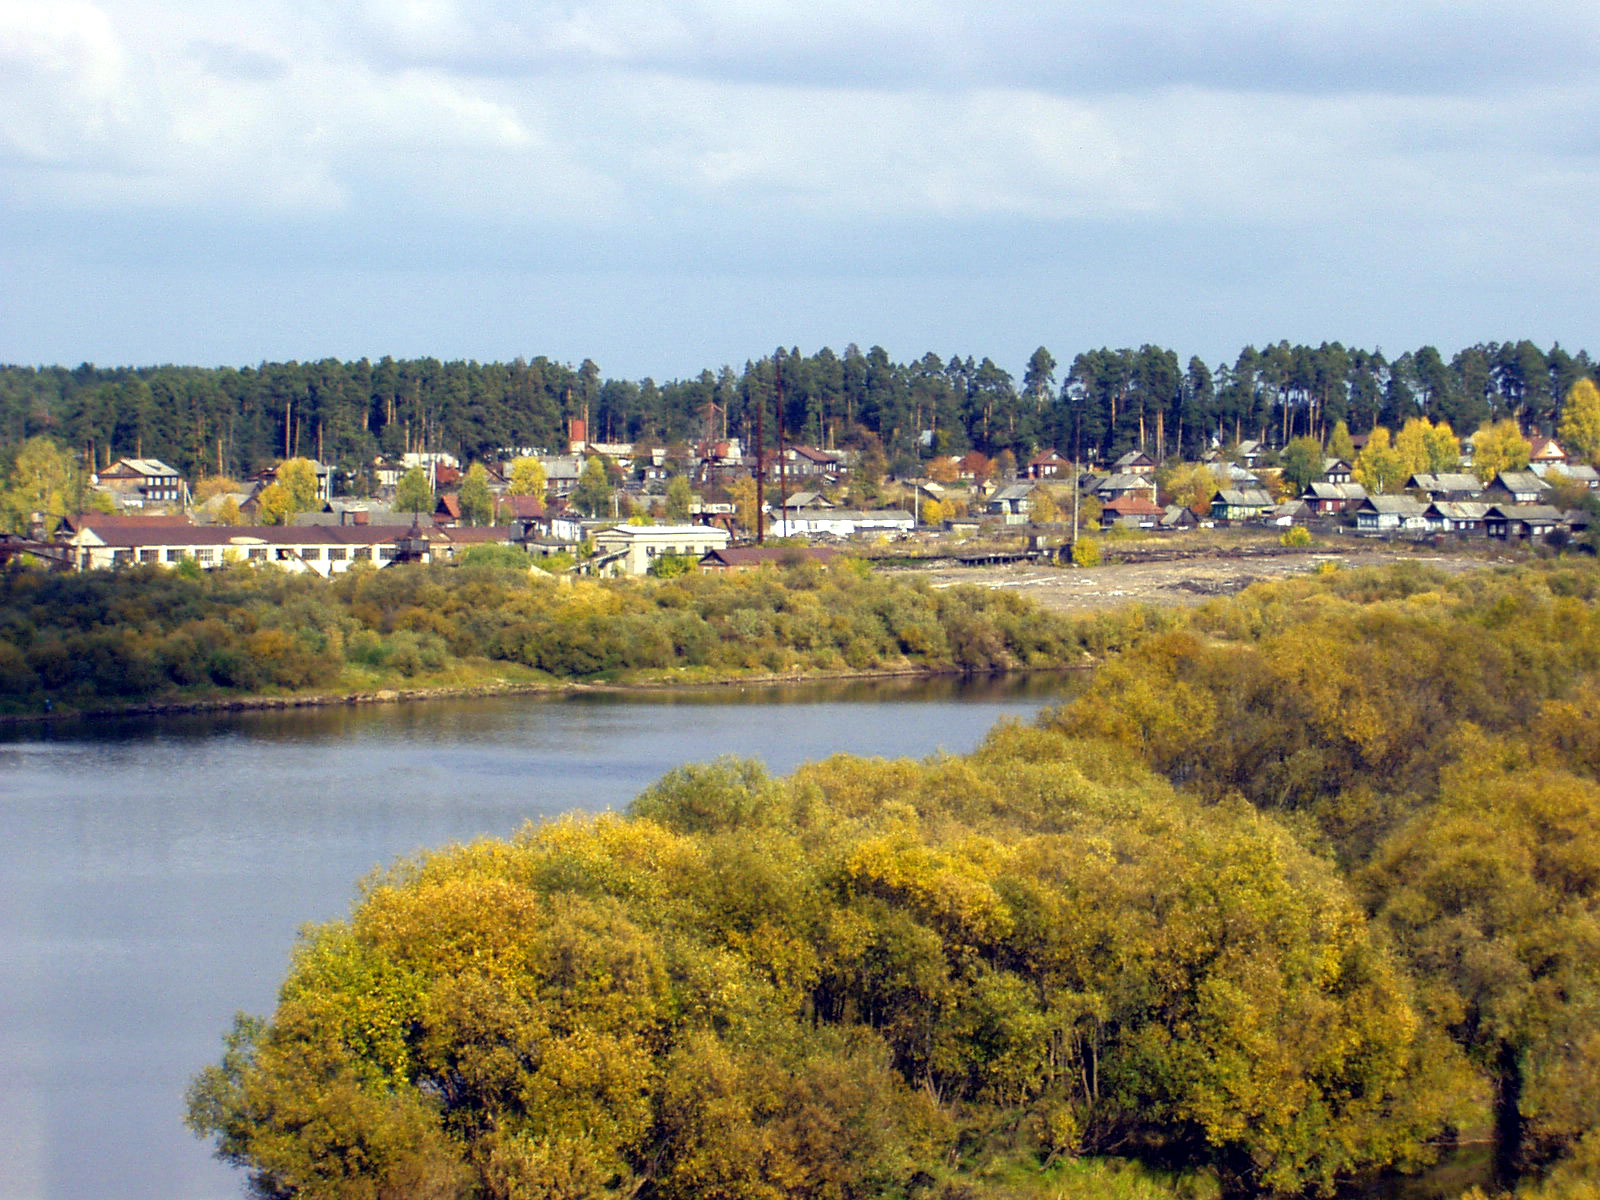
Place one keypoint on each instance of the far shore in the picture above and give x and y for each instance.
(553, 688)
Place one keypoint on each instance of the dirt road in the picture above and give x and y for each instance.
(1190, 580)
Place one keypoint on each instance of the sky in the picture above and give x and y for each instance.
(667, 186)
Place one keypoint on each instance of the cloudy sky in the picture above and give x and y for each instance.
(664, 186)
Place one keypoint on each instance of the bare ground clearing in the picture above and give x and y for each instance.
(1208, 572)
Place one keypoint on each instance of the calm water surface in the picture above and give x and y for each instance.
(153, 872)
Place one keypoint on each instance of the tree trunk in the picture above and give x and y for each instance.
(1508, 1124)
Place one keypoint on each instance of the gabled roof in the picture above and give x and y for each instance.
(1403, 506)
(1458, 510)
(1520, 481)
(124, 467)
(1248, 498)
(1125, 481)
(1545, 449)
(1132, 506)
(1524, 512)
(1446, 481)
(1014, 491)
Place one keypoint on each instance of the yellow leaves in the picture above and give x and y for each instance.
(951, 890)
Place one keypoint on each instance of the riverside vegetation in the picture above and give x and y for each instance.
(1306, 888)
(155, 635)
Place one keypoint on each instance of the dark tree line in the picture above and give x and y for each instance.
(230, 421)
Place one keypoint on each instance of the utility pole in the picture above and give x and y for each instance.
(761, 475)
(783, 477)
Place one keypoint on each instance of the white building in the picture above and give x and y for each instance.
(633, 549)
(839, 522)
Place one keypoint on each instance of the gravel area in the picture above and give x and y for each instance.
(1191, 580)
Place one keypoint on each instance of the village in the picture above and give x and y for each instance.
(617, 509)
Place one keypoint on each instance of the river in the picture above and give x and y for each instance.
(153, 871)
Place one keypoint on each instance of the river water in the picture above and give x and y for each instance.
(153, 872)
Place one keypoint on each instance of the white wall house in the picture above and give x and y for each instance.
(324, 550)
(838, 522)
(633, 549)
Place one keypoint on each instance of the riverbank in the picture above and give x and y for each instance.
(654, 682)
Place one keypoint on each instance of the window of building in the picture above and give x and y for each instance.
(174, 556)
(206, 555)
(150, 556)
(336, 554)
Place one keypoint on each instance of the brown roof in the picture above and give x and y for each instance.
(523, 508)
(755, 556)
(114, 520)
(1133, 506)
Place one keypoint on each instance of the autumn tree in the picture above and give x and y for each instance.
(592, 495)
(1426, 447)
(1579, 430)
(1340, 444)
(1192, 485)
(1379, 467)
(477, 502)
(275, 505)
(298, 477)
(43, 479)
(527, 477)
(1042, 507)
(414, 494)
(1301, 463)
(680, 499)
(1499, 447)
(742, 490)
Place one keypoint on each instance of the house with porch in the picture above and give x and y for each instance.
(1379, 514)
(1234, 504)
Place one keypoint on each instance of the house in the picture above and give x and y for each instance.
(634, 549)
(1450, 485)
(1577, 472)
(1047, 464)
(1232, 504)
(1337, 470)
(137, 482)
(1290, 512)
(1515, 487)
(1332, 499)
(840, 522)
(561, 473)
(448, 509)
(1131, 512)
(1249, 453)
(808, 500)
(322, 471)
(1376, 514)
(1545, 452)
(1125, 484)
(732, 559)
(1455, 516)
(1177, 516)
(807, 462)
(1010, 503)
(1520, 521)
(1134, 462)
(325, 550)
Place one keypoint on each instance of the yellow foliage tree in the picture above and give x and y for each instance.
(527, 477)
(1580, 422)
(1380, 467)
(1499, 447)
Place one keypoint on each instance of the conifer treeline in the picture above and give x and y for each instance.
(228, 421)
